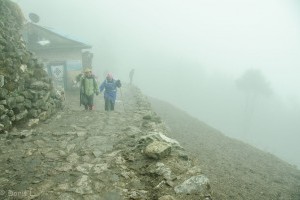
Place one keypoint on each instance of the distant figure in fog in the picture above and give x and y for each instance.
(131, 73)
(110, 86)
(88, 87)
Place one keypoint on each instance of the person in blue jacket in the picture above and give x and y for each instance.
(110, 86)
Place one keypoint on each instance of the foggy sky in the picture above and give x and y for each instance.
(191, 52)
(228, 36)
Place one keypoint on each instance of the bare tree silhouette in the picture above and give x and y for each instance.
(255, 85)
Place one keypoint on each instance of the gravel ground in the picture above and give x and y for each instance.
(236, 170)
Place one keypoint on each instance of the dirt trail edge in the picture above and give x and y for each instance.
(89, 155)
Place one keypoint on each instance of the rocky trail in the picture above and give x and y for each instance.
(54, 152)
(80, 154)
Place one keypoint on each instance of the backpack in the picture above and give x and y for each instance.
(118, 83)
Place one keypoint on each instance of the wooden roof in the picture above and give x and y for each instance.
(42, 38)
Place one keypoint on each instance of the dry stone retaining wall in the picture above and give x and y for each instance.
(26, 91)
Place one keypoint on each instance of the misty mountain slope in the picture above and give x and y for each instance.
(236, 170)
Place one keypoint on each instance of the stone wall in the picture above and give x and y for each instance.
(26, 91)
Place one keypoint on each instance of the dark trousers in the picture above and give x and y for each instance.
(89, 102)
(109, 104)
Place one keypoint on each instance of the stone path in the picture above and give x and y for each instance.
(64, 154)
(91, 155)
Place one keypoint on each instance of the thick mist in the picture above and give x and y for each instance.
(232, 64)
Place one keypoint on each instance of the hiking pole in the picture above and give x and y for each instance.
(122, 99)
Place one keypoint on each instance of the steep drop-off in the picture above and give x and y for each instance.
(236, 169)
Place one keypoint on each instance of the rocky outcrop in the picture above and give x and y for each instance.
(158, 166)
(26, 91)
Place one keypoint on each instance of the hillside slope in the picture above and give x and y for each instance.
(236, 170)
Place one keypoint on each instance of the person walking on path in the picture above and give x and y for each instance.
(131, 73)
(110, 86)
(88, 87)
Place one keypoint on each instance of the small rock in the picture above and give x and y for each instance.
(97, 153)
(99, 168)
(158, 150)
(120, 160)
(83, 185)
(70, 147)
(84, 168)
(43, 116)
(194, 170)
(81, 133)
(162, 170)
(166, 197)
(125, 175)
(194, 185)
(170, 183)
(64, 168)
(33, 122)
(73, 158)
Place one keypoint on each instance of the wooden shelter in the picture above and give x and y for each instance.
(63, 56)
